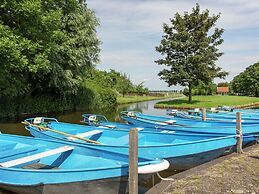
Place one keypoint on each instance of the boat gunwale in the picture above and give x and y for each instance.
(183, 127)
(147, 146)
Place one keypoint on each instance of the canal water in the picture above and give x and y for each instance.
(14, 126)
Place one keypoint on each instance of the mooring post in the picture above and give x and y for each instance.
(133, 161)
(203, 110)
(239, 133)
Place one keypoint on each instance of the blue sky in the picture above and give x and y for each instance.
(131, 29)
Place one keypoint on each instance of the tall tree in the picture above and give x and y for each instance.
(45, 46)
(189, 47)
(247, 82)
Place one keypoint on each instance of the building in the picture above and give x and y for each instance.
(222, 90)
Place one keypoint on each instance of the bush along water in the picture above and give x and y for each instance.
(88, 97)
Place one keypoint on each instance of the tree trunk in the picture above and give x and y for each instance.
(190, 92)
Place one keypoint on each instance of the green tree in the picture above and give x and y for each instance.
(189, 47)
(247, 82)
(45, 47)
(140, 88)
(223, 84)
(124, 84)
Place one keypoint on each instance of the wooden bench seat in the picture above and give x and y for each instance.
(86, 134)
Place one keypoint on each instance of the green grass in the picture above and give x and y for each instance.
(132, 99)
(208, 102)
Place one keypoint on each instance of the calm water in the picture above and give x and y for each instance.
(14, 126)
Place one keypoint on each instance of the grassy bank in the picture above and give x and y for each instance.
(132, 99)
(208, 101)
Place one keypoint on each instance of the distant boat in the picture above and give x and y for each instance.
(247, 118)
(165, 126)
(33, 165)
(101, 121)
(186, 125)
(182, 151)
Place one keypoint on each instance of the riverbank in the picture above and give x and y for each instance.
(132, 99)
(210, 101)
(235, 173)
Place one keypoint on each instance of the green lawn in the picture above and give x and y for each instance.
(132, 99)
(208, 102)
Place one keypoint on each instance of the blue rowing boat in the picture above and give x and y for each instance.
(34, 165)
(101, 121)
(247, 118)
(182, 151)
(186, 125)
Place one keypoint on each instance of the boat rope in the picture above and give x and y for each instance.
(164, 179)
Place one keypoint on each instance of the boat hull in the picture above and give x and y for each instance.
(33, 165)
(227, 130)
(181, 156)
(109, 186)
(190, 161)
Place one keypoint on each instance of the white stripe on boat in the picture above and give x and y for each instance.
(36, 156)
(170, 121)
(89, 133)
(164, 131)
(234, 120)
(110, 126)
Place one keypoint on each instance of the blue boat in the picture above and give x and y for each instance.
(101, 121)
(34, 165)
(247, 118)
(182, 151)
(186, 125)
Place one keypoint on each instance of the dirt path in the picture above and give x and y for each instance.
(233, 174)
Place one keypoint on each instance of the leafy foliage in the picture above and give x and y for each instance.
(223, 84)
(202, 89)
(120, 82)
(45, 46)
(247, 82)
(189, 47)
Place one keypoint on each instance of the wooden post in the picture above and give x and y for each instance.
(203, 114)
(133, 161)
(239, 132)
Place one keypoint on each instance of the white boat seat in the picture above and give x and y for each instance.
(110, 126)
(37, 156)
(170, 122)
(86, 134)
(164, 131)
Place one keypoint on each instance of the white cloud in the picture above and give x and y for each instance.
(130, 30)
